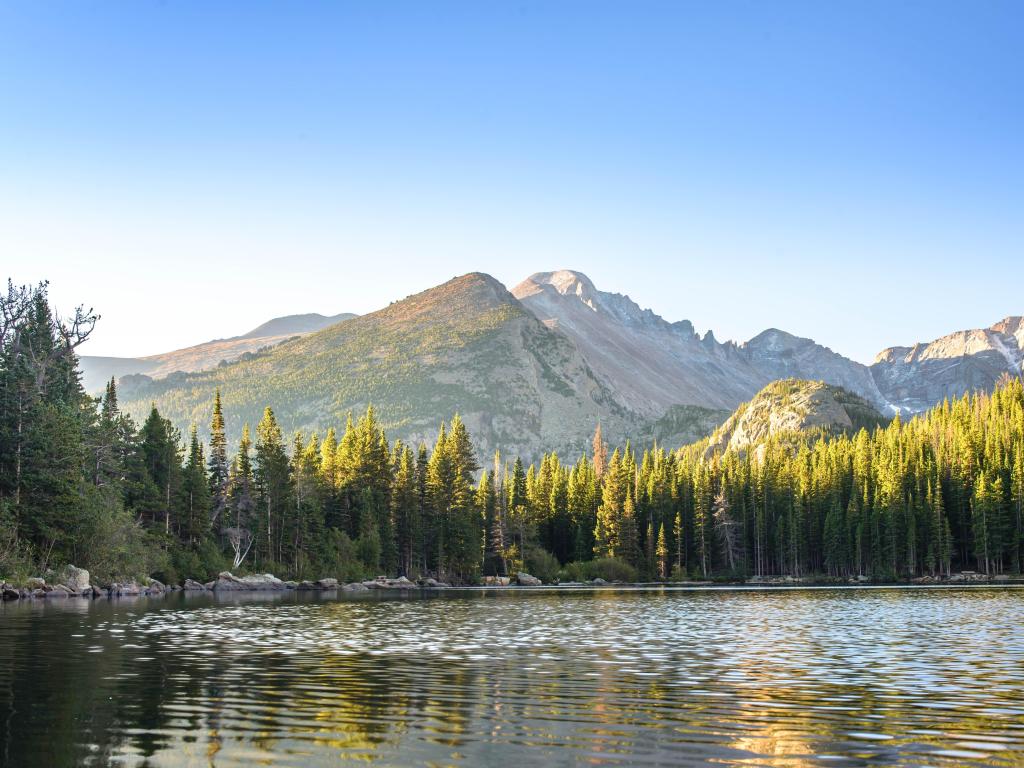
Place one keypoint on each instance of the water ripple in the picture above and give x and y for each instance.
(665, 677)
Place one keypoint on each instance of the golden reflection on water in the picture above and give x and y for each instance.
(786, 678)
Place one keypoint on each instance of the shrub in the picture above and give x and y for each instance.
(612, 569)
(576, 571)
(607, 568)
(542, 564)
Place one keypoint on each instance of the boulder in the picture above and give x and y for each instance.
(373, 585)
(355, 587)
(35, 583)
(60, 591)
(128, 589)
(429, 582)
(526, 580)
(327, 583)
(77, 579)
(38, 593)
(155, 587)
(306, 586)
(10, 593)
(291, 585)
(96, 591)
(400, 583)
(266, 582)
(599, 582)
(194, 586)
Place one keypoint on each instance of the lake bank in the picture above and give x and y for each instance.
(76, 584)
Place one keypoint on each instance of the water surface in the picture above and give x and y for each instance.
(924, 676)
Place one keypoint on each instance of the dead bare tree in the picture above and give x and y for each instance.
(241, 540)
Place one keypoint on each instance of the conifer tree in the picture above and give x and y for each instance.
(218, 462)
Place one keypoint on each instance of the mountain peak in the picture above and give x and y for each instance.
(793, 405)
(565, 281)
(295, 325)
(567, 285)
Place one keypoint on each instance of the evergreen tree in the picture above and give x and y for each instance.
(218, 462)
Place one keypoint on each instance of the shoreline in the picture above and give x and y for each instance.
(227, 584)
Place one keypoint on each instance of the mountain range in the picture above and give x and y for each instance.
(97, 371)
(536, 368)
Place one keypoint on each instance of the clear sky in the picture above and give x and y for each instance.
(849, 171)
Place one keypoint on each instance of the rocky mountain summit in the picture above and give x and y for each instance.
(793, 406)
(537, 367)
(653, 364)
(915, 378)
(467, 346)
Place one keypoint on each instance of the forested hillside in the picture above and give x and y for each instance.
(83, 482)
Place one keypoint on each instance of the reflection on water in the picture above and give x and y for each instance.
(662, 677)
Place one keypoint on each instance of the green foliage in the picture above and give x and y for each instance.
(542, 564)
(79, 483)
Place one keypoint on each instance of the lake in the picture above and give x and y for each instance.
(786, 677)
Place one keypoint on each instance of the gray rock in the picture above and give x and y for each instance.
(155, 587)
(327, 583)
(526, 580)
(355, 587)
(35, 583)
(60, 591)
(599, 582)
(306, 586)
(226, 582)
(77, 579)
(10, 593)
(291, 585)
(38, 593)
(194, 586)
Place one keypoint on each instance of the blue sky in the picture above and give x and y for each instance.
(853, 172)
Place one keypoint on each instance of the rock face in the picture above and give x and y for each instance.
(918, 377)
(227, 582)
(653, 365)
(792, 405)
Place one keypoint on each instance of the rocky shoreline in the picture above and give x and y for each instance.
(75, 582)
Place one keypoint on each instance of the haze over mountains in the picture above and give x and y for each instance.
(536, 368)
(96, 371)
